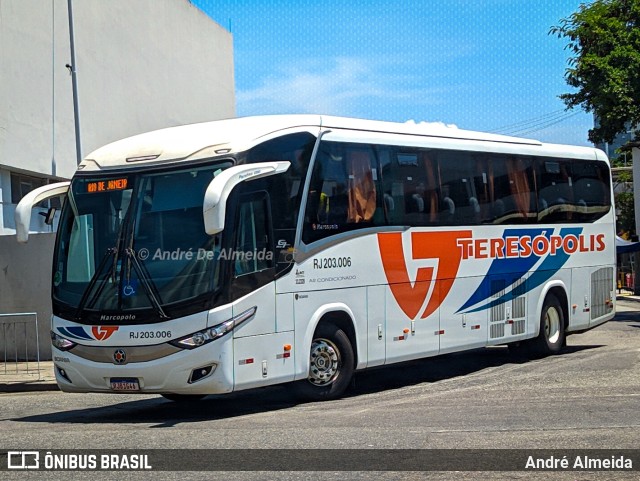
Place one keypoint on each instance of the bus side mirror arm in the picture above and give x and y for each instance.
(218, 191)
(23, 210)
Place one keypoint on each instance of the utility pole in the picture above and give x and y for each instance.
(74, 83)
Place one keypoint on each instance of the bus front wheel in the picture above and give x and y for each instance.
(331, 365)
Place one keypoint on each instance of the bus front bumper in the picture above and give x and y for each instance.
(205, 370)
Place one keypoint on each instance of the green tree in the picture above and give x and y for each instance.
(604, 38)
(625, 220)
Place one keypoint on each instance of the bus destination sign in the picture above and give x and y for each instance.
(107, 185)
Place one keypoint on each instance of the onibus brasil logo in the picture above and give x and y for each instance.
(513, 255)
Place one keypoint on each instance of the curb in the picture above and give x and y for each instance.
(628, 298)
(29, 387)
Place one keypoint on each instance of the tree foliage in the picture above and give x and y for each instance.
(626, 215)
(604, 38)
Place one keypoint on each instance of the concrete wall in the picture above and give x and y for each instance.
(25, 286)
(141, 64)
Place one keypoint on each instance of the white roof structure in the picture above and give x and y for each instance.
(208, 139)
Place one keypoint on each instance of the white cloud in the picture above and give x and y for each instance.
(345, 86)
(438, 125)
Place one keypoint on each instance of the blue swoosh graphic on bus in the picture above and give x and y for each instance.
(550, 265)
(504, 266)
(75, 332)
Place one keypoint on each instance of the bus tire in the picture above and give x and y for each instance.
(332, 364)
(552, 337)
(183, 398)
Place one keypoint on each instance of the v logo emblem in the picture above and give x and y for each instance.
(102, 333)
(411, 295)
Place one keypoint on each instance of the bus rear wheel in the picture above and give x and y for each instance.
(552, 336)
(331, 365)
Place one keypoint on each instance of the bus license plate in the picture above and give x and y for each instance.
(125, 384)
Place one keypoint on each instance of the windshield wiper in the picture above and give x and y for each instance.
(92, 282)
(144, 277)
(111, 251)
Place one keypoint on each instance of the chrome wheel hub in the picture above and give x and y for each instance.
(325, 362)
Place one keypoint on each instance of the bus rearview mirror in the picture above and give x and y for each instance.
(23, 210)
(49, 215)
(215, 198)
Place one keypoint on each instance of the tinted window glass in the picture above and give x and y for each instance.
(253, 251)
(285, 189)
(429, 187)
(462, 188)
(591, 190)
(555, 191)
(512, 190)
(409, 186)
(342, 192)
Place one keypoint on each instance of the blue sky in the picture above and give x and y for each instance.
(480, 65)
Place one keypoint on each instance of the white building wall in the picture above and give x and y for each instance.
(141, 65)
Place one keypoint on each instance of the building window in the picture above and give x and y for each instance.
(21, 185)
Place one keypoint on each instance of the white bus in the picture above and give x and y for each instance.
(228, 255)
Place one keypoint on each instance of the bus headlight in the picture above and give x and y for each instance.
(210, 334)
(61, 343)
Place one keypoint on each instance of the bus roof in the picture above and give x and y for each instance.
(208, 139)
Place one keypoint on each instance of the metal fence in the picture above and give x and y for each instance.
(19, 330)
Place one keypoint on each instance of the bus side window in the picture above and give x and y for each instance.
(253, 251)
(555, 191)
(285, 189)
(327, 199)
(409, 186)
(342, 192)
(591, 190)
(513, 189)
(392, 186)
(463, 188)
(362, 193)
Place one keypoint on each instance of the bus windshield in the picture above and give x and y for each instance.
(135, 243)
